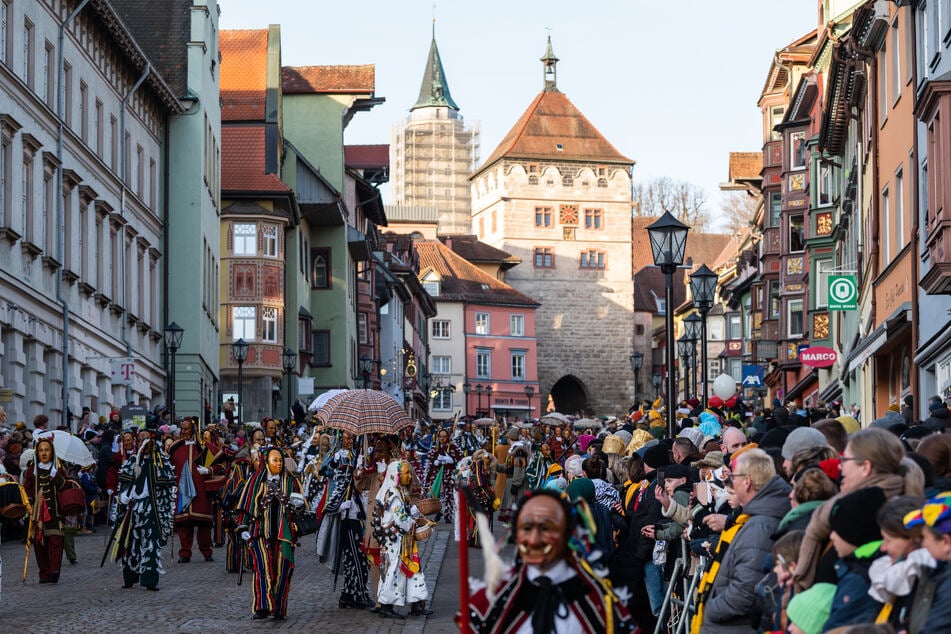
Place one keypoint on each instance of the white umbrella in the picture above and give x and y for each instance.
(25, 458)
(323, 398)
(587, 423)
(554, 418)
(68, 448)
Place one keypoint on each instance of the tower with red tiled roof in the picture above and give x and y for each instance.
(557, 194)
(433, 152)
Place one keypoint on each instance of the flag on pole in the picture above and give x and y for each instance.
(437, 483)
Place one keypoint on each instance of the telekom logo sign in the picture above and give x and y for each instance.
(818, 356)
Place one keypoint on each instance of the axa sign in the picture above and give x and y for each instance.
(818, 356)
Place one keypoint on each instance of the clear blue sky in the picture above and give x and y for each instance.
(672, 84)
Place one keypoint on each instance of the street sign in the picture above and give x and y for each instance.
(753, 375)
(818, 356)
(6, 396)
(843, 292)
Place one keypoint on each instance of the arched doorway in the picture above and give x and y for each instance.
(570, 396)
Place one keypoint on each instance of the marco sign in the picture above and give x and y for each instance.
(818, 356)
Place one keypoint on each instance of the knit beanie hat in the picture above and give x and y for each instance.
(854, 516)
(809, 610)
(581, 488)
(803, 438)
(656, 457)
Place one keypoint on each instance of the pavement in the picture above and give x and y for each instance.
(201, 597)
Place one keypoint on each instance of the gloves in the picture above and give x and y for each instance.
(360, 461)
(124, 497)
(381, 467)
(246, 536)
(414, 512)
(341, 455)
(345, 505)
(297, 502)
(444, 459)
(203, 470)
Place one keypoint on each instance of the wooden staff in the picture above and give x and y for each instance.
(29, 541)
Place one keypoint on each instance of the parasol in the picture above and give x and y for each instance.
(364, 412)
(587, 423)
(484, 422)
(68, 448)
(323, 398)
(554, 418)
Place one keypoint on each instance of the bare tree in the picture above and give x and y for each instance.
(684, 200)
(739, 210)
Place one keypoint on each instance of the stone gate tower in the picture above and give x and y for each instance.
(557, 194)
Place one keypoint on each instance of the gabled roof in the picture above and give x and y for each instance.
(163, 30)
(434, 91)
(358, 79)
(242, 161)
(472, 249)
(461, 280)
(550, 122)
(243, 74)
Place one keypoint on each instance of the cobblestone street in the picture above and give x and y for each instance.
(196, 597)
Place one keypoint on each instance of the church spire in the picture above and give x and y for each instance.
(551, 71)
(434, 91)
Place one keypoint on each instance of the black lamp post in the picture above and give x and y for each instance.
(173, 341)
(478, 399)
(488, 400)
(529, 392)
(289, 359)
(239, 349)
(466, 388)
(703, 285)
(692, 327)
(637, 362)
(684, 349)
(668, 238)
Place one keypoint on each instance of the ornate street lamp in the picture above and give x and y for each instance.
(703, 286)
(685, 349)
(529, 392)
(289, 359)
(478, 399)
(488, 400)
(692, 327)
(239, 350)
(466, 388)
(668, 237)
(173, 341)
(637, 362)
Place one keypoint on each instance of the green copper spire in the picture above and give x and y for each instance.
(434, 91)
(550, 72)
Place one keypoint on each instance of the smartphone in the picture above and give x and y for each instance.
(660, 477)
(702, 491)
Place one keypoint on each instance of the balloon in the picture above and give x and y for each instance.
(724, 386)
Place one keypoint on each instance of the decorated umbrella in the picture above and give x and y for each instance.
(323, 398)
(554, 418)
(364, 412)
(68, 448)
(587, 423)
(483, 422)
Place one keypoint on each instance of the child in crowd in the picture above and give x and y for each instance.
(809, 609)
(856, 539)
(931, 607)
(775, 589)
(893, 577)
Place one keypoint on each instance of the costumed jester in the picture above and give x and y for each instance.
(341, 529)
(265, 511)
(440, 464)
(43, 479)
(551, 587)
(145, 510)
(394, 524)
(193, 513)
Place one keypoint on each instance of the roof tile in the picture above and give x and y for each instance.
(243, 74)
(463, 281)
(242, 161)
(328, 79)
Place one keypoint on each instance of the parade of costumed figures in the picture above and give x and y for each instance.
(440, 463)
(144, 515)
(384, 450)
(265, 511)
(395, 522)
(475, 474)
(341, 528)
(193, 512)
(516, 468)
(43, 479)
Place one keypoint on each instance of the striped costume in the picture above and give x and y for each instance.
(264, 509)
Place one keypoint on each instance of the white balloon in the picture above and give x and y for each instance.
(724, 386)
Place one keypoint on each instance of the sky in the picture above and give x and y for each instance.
(673, 84)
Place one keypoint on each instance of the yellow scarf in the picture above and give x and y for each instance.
(706, 582)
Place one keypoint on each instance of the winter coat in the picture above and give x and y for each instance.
(732, 596)
(646, 510)
(939, 420)
(797, 518)
(890, 418)
(939, 617)
(852, 603)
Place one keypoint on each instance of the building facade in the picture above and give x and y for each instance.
(557, 195)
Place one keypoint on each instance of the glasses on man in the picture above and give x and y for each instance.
(729, 481)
